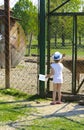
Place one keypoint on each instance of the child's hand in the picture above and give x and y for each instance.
(63, 55)
(47, 76)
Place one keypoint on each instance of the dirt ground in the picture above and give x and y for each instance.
(25, 77)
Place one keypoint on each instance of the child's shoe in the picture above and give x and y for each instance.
(58, 102)
(52, 103)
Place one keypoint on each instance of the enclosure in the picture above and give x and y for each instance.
(64, 34)
(58, 30)
(67, 39)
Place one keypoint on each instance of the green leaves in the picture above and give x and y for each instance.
(71, 6)
(63, 25)
(27, 13)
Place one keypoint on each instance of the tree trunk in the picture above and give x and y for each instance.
(79, 40)
(63, 39)
(55, 39)
(29, 47)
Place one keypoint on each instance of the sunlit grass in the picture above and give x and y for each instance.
(56, 123)
(15, 93)
(67, 49)
(13, 111)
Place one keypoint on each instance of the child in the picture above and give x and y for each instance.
(56, 71)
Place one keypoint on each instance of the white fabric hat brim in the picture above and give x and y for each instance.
(59, 57)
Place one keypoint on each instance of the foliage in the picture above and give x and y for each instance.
(71, 6)
(62, 26)
(81, 25)
(27, 13)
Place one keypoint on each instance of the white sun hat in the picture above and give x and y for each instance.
(57, 56)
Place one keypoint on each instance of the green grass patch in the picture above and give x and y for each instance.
(57, 123)
(67, 50)
(12, 112)
(20, 95)
(15, 93)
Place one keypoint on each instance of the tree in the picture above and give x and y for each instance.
(27, 13)
(71, 6)
(62, 26)
(80, 29)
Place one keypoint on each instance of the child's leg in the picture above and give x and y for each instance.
(59, 91)
(54, 91)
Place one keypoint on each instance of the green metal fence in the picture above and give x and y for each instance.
(58, 31)
(65, 34)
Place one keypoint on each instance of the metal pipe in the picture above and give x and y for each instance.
(7, 43)
(48, 45)
(74, 54)
(42, 45)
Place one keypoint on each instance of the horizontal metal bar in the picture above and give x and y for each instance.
(68, 14)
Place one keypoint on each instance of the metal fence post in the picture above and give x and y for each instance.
(48, 44)
(42, 45)
(7, 43)
(74, 54)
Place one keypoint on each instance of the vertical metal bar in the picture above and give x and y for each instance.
(7, 43)
(74, 54)
(38, 59)
(75, 50)
(42, 46)
(48, 44)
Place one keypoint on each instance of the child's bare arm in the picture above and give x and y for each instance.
(63, 55)
(51, 73)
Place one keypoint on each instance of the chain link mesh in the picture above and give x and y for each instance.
(61, 39)
(23, 71)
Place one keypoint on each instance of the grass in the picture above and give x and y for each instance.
(63, 50)
(14, 111)
(15, 93)
(67, 49)
(55, 124)
(18, 95)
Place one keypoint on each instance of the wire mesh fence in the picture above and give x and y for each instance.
(23, 71)
(66, 36)
(24, 65)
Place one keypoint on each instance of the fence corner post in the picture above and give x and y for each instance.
(42, 45)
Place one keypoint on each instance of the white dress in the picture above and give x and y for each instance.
(58, 76)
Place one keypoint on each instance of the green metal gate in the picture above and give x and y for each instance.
(65, 37)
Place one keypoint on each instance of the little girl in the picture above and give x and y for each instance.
(56, 71)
